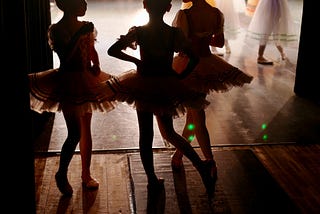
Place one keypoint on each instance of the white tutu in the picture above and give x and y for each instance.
(231, 10)
(272, 22)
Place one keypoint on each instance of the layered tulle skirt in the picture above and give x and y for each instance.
(231, 10)
(214, 74)
(78, 92)
(158, 94)
(272, 22)
(53, 91)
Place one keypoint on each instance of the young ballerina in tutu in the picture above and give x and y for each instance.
(155, 89)
(201, 23)
(76, 88)
(231, 10)
(277, 27)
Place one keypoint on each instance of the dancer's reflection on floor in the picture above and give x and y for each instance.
(180, 186)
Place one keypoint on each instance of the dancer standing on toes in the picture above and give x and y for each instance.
(76, 88)
(155, 89)
(201, 23)
(277, 27)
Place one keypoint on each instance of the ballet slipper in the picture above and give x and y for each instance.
(208, 179)
(213, 168)
(264, 61)
(154, 186)
(176, 161)
(90, 183)
(215, 51)
(63, 184)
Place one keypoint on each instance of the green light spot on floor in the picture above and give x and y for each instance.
(263, 126)
(190, 138)
(265, 137)
(191, 127)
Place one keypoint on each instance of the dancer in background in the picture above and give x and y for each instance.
(201, 23)
(231, 10)
(76, 88)
(271, 22)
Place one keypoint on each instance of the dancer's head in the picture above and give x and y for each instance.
(157, 7)
(74, 7)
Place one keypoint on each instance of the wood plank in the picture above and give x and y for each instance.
(112, 196)
(297, 170)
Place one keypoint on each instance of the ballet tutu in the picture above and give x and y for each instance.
(158, 94)
(231, 10)
(80, 92)
(214, 74)
(278, 26)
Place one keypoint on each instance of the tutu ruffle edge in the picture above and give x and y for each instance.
(214, 74)
(160, 95)
(52, 91)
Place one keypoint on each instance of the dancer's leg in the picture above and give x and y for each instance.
(145, 120)
(165, 123)
(67, 152)
(86, 152)
(261, 59)
(282, 53)
(187, 133)
(202, 134)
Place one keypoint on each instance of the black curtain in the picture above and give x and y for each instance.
(40, 56)
(24, 49)
(308, 70)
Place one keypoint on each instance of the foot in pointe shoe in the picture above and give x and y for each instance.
(176, 161)
(63, 184)
(213, 169)
(217, 53)
(264, 61)
(208, 174)
(156, 185)
(90, 183)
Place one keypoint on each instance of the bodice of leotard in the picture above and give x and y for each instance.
(73, 52)
(199, 29)
(156, 56)
(200, 43)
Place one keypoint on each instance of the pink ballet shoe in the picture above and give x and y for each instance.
(91, 184)
(217, 53)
